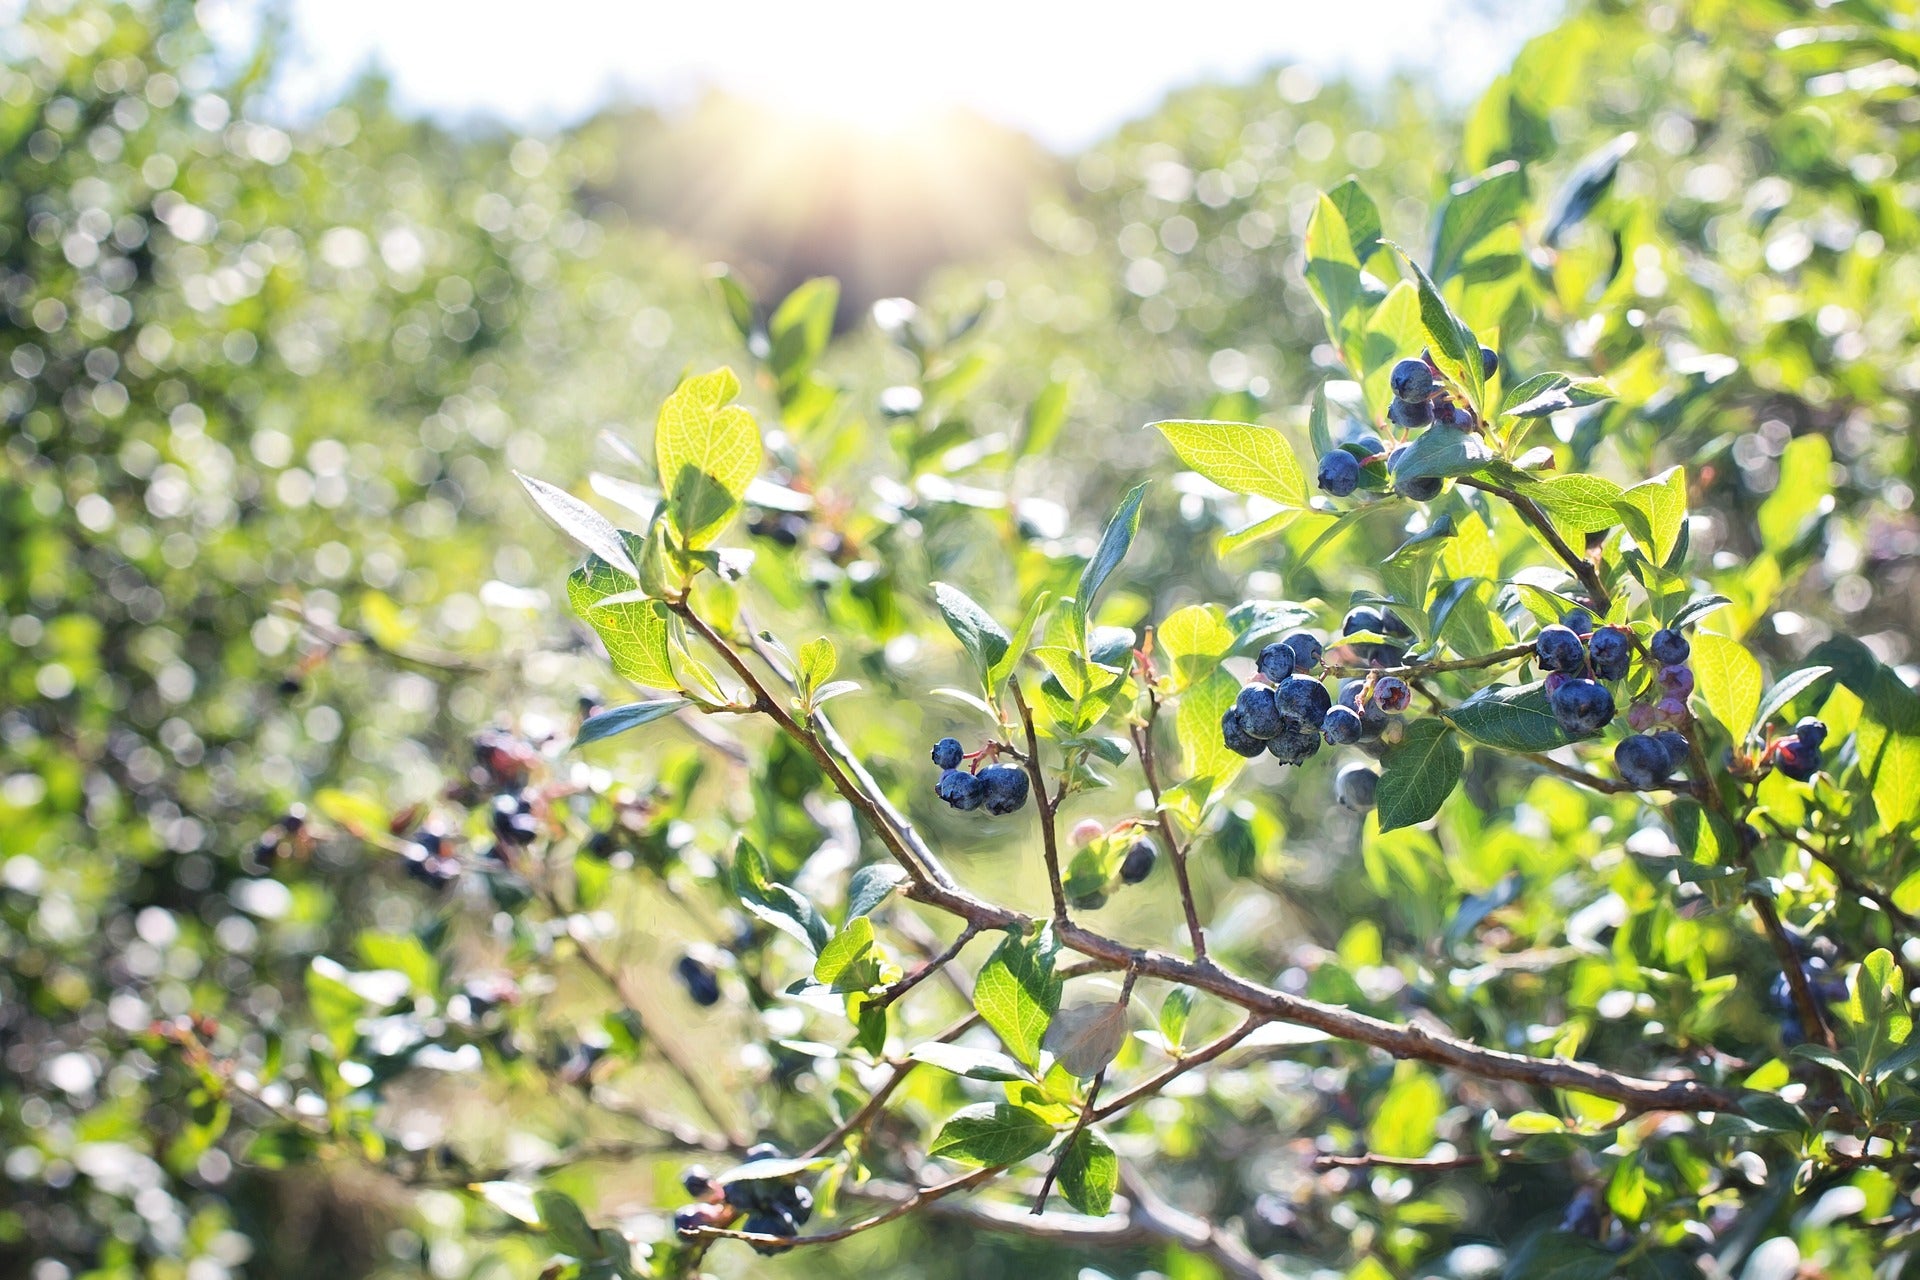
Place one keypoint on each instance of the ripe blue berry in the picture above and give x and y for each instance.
(700, 981)
(1611, 653)
(1367, 446)
(1796, 759)
(1276, 661)
(1411, 380)
(1583, 707)
(1005, 788)
(1812, 732)
(961, 789)
(1409, 414)
(1354, 787)
(1233, 732)
(1669, 647)
(1306, 650)
(1341, 727)
(1258, 714)
(697, 1180)
(1381, 622)
(1302, 702)
(1413, 488)
(1138, 863)
(1391, 693)
(1339, 472)
(1674, 743)
(1489, 362)
(1557, 648)
(947, 753)
(1641, 761)
(1372, 718)
(1294, 744)
(1578, 621)
(1448, 414)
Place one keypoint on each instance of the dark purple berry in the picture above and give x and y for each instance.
(1796, 759)
(1583, 707)
(702, 984)
(960, 789)
(1489, 362)
(1812, 732)
(1641, 761)
(1276, 661)
(1411, 380)
(1138, 863)
(1578, 621)
(1005, 788)
(1669, 647)
(1306, 650)
(1339, 473)
(1294, 744)
(1302, 701)
(1611, 653)
(1341, 728)
(1409, 414)
(1258, 713)
(947, 753)
(1233, 732)
(1354, 787)
(1559, 649)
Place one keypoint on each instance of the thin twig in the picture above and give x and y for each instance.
(858, 1121)
(1049, 839)
(1180, 1066)
(1575, 774)
(1530, 511)
(1086, 1113)
(924, 1195)
(1176, 851)
(1367, 1160)
(925, 971)
(1845, 877)
(1475, 663)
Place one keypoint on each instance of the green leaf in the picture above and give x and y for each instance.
(1545, 394)
(1474, 210)
(1195, 639)
(1728, 680)
(1203, 754)
(1360, 216)
(1455, 348)
(1174, 1012)
(1801, 492)
(871, 885)
(1333, 270)
(775, 903)
(1044, 418)
(335, 1006)
(964, 1060)
(580, 522)
(983, 638)
(1017, 992)
(1888, 736)
(1510, 717)
(1784, 691)
(991, 1134)
(1405, 1120)
(634, 631)
(515, 1199)
(1442, 453)
(706, 449)
(1240, 458)
(1654, 510)
(846, 963)
(566, 1225)
(1877, 1003)
(1085, 1038)
(818, 662)
(1578, 504)
(1089, 1172)
(613, 720)
(1002, 666)
(1418, 775)
(800, 328)
(1114, 541)
(1773, 1112)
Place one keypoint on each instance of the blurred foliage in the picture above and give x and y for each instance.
(268, 576)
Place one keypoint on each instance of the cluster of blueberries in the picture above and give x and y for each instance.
(999, 789)
(1288, 714)
(1418, 401)
(772, 1206)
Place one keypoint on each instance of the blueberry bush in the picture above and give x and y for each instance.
(1432, 817)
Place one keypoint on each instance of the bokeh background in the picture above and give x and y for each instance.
(287, 293)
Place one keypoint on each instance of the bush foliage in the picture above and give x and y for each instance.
(350, 928)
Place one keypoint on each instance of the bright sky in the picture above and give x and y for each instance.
(1065, 71)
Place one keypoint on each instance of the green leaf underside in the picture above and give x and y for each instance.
(1417, 776)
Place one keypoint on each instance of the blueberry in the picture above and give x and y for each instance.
(1578, 621)
(1258, 713)
(1811, 732)
(947, 753)
(1489, 362)
(1674, 743)
(1676, 681)
(1409, 413)
(1411, 380)
(1339, 472)
(1372, 718)
(1583, 707)
(1367, 446)
(1669, 646)
(1233, 732)
(1448, 414)
(763, 1151)
(1354, 786)
(1796, 759)
(1306, 650)
(1611, 653)
(797, 1201)
(1391, 693)
(700, 981)
(1557, 648)
(1276, 661)
(1380, 622)
(1005, 788)
(963, 790)
(689, 1218)
(1294, 744)
(770, 1222)
(1302, 701)
(1641, 761)
(1341, 727)
(1138, 863)
(518, 829)
(697, 1180)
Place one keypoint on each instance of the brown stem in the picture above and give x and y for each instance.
(1844, 876)
(1176, 851)
(1086, 1115)
(1180, 1066)
(1049, 838)
(925, 971)
(1431, 1163)
(859, 1120)
(1474, 663)
(924, 1195)
(1575, 774)
(1530, 511)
